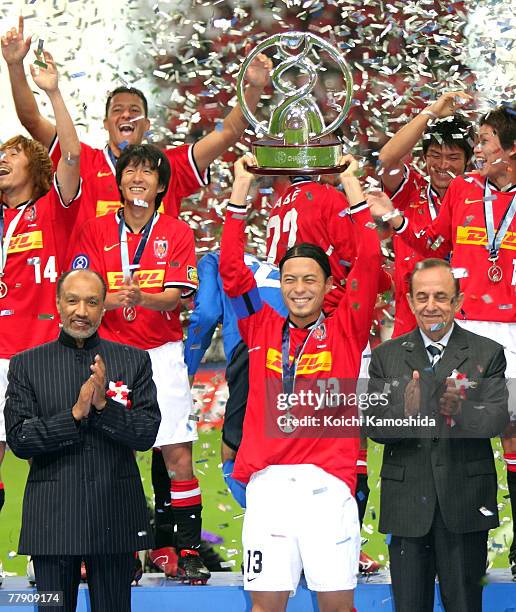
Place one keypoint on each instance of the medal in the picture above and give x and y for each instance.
(495, 274)
(287, 424)
(129, 313)
(3, 289)
(495, 236)
(289, 371)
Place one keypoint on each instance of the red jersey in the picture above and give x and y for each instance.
(100, 191)
(420, 204)
(313, 212)
(332, 354)
(35, 260)
(168, 261)
(461, 227)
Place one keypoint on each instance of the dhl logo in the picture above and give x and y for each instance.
(478, 236)
(308, 364)
(26, 242)
(105, 207)
(148, 279)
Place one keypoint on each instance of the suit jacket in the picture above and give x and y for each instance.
(449, 466)
(84, 493)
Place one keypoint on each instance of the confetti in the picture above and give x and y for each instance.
(459, 272)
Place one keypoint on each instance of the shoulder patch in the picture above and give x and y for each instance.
(80, 262)
(191, 274)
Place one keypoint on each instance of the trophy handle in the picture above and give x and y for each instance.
(310, 39)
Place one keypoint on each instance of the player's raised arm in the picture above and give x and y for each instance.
(434, 241)
(217, 142)
(14, 50)
(403, 142)
(363, 282)
(350, 181)
(236, 277)
(68, 169)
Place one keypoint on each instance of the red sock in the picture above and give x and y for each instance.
(185, 493)
(510, 460)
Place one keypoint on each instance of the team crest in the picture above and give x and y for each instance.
(160, 248)
(320, 332)
(191, 274)
(80, 262)
(30, 213)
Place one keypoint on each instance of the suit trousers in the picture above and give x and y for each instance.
(109, 580)
(458, 560)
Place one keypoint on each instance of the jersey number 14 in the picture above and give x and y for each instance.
(49, 271)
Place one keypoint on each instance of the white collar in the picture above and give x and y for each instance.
(443, 341)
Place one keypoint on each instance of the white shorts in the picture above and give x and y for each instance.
(299, 517)
(504, 334)
(4, 367)
(174, 398)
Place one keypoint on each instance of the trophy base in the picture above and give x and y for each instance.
(317, 157)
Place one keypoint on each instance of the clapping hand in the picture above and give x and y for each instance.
(413, 395)
(98, 379)
(450, 402)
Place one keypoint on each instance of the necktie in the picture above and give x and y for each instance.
(436, 350)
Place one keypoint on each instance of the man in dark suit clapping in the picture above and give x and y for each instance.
(445, 388)
(78, 408)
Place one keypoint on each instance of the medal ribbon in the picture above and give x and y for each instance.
(124, 250)
(289, 371)
(111, 159)
(495, 238)
(433, 202)
(6, 241)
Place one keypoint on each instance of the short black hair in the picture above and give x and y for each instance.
(433, 262)
(312, 251)
(503, 122)
(145, 154)
(452, 131)
(128, 90)
(65, 275)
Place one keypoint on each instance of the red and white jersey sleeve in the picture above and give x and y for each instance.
(186, 178)
(409, 190)
(436, 239)
(238, 281)
(355, 310)
(168, 262)
(35, 258)
(101, 191)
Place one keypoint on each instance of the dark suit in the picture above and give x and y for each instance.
(439, 486)
(84, 495)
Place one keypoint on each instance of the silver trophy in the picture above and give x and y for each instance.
(296, 141)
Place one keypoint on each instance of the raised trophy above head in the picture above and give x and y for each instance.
(296, 140)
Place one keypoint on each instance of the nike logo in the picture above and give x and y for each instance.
(110, 248)
(468, 201)
(101, 174)
(251, 579)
